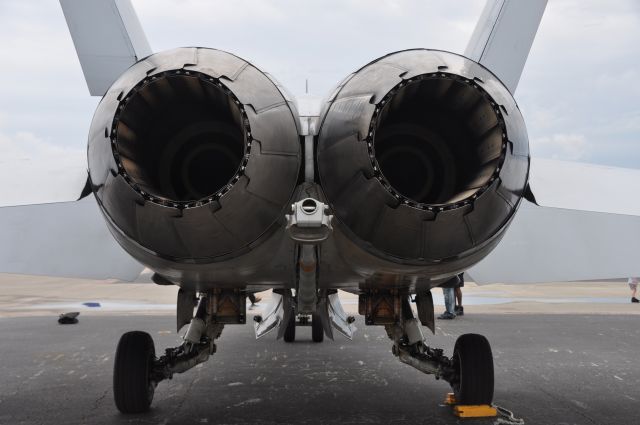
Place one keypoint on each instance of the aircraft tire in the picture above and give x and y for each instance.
(132, 388)
(473, 361)
(290, 331)
(317, 331)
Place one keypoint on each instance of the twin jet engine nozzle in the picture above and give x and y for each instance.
(195, 154)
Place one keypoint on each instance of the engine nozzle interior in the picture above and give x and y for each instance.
(437, 140)
(180, 136)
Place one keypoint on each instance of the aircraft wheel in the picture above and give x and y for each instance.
(317, 331)
(290, 331)
(473, 362)
(132, 387)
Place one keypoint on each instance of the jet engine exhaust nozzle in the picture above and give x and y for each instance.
(193, 156)
(423, 156)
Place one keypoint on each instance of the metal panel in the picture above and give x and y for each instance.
(503, 37)
(553, 244)
(108, 38)
(68, 239)
(61, 182)
(578, 186)
(309, 105)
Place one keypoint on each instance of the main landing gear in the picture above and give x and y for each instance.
(137, 371)
(469, 371)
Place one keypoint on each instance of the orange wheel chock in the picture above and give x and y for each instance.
(462, 411)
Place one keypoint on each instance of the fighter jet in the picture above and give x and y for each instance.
(415, 168)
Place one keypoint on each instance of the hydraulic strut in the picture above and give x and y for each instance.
(198, 344)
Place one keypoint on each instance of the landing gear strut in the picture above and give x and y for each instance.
(469, 371)
(137, 371)
(308, 225)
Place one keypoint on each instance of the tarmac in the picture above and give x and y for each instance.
(22, 296)
(552, 365)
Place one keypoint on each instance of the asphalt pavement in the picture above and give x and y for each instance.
(550, 369)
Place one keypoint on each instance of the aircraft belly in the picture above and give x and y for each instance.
(345, 265)
(268, 265)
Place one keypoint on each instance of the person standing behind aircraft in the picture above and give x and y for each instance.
(458, 291)
(448, 290)
(633, 284)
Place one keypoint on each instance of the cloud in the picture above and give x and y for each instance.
(570, 147)
(581, 79)
(320, 40)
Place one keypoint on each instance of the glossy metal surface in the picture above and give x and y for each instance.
(387, 227)
(166, 218)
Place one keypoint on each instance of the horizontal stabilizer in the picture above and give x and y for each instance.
(585, 226)
(589, 187)
(553, 244)
(67, 239)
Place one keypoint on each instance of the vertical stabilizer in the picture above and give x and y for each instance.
(108, 38)
(503, 37)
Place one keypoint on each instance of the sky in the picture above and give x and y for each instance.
(579, 91)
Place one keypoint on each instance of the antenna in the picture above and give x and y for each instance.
(306, 85)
